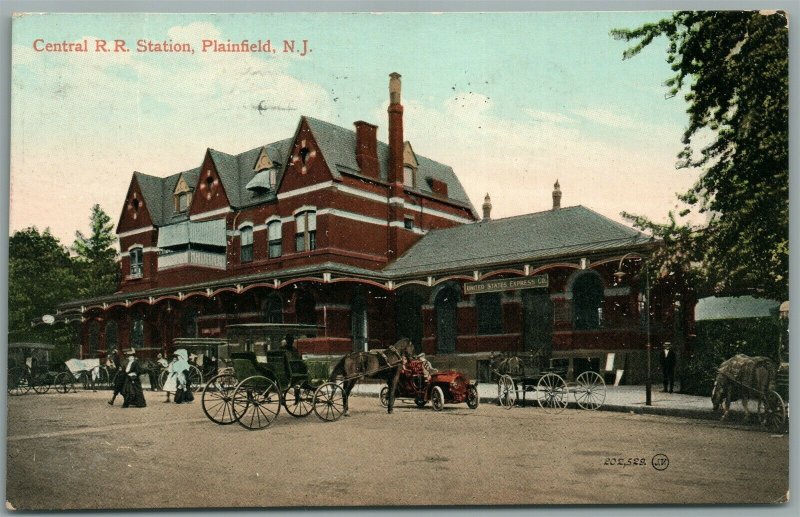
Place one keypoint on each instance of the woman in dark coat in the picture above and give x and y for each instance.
(119, 375)
(132, 393)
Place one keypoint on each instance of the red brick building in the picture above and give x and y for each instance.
(371, 242)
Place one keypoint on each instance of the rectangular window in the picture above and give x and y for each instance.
(136, 263)
(306, 231)
(247, 243)
(409, 223)
(489, 307)
(275, 239)
(183, 202)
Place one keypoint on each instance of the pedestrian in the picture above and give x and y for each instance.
(667, 358)
(171, 383)
(180, 368)
(118, 368)
(132, 392)
(288, 344)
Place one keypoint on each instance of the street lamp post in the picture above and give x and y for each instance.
(648, 397)
(644, 305)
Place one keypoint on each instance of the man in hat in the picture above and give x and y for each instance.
(118, 373)
(133, 394)
(667, 359)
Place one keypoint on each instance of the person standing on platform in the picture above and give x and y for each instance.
(667, 358)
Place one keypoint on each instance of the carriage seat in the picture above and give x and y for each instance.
(290, 371)
(245, 365)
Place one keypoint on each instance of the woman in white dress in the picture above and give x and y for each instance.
(176, 377)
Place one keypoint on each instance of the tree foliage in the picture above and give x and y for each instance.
(42, 274)
(96, 256)
(732, 67)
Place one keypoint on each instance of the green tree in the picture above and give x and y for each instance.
(732, 68)
(96, 257)
(40, 276)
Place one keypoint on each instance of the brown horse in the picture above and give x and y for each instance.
(376, 364)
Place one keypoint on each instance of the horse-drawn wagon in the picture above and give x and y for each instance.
(251, 388)
(29, 368)
(520, 375)
(750, 378)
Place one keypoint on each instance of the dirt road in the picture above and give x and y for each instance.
(65, 451)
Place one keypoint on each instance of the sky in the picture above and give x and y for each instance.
(512, 101)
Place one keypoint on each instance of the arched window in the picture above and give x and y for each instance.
(446, 305)
(275, 239)
(272, 309)
(94, 338)
(306, 231)
(112, 335)
(490, 313)
(137, 333)
(246, 237)
(305, 308)
(587, 301)
(358, 321)
(189, 323)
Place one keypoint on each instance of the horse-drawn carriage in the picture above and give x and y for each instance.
(440, 388)
(207, 357)
(249, 388)
(29, 367)
(523, 374)
(750, 378)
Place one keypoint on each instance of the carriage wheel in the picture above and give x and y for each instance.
(256, 402)
(18, 381)
(506, 391)
(298, 401)
(472, 397)
(329, 401)
(64, 382)
(162, 378)
(385, 396)
(774, 412)
(437, 398)
(195, 378)
(217, 399)
(591, 390)
(40, 384)
(551, 392)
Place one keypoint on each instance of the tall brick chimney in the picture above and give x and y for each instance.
(556, 196)
(395, 172)
(367, 148)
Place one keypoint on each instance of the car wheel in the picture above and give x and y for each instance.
(437, 398)
(472, 396)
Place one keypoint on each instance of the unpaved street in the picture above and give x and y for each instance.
(74, 451)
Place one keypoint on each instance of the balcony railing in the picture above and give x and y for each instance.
(193, 258)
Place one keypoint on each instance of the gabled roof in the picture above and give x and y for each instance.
(538, 236)
(338, 146)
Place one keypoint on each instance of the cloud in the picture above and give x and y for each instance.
(546, 116)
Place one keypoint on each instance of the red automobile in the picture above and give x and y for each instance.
(445, 387)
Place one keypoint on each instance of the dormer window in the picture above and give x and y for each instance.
(408, 176)
(182, 195)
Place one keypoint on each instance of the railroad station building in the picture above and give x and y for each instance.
(370, 242)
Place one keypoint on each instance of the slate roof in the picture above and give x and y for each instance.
(338, 146)
(543, 235)
(734, 307)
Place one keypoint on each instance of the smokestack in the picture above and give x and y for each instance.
(395, 130)
(367, 148)
(556, 196)
(487, 208)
